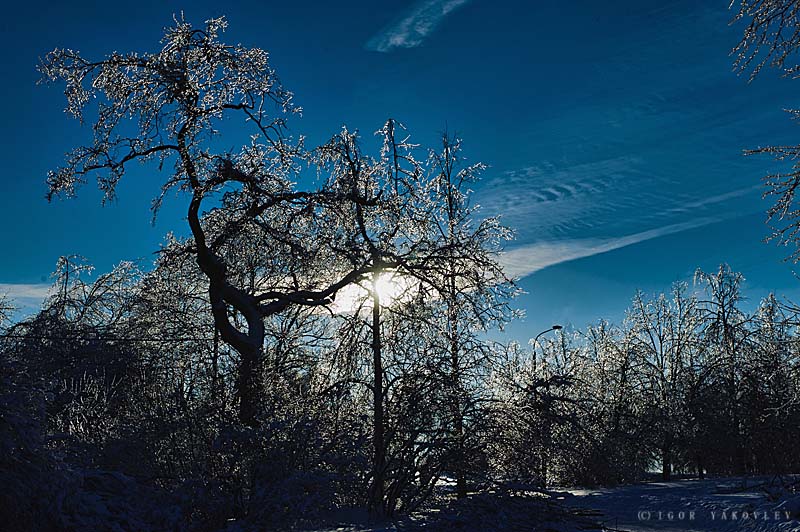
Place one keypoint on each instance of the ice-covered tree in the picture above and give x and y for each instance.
(178, 99)
(726, 336)
(6, 310)
(472, 295)
(771, 38)
(666, 333)
(426, 242)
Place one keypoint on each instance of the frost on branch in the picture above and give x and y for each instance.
(772, 38)
(178, 92)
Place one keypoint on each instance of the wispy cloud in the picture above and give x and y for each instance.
(564, 201)
(414, 27)
(719, 198)
(26, 298)
(525, 260)
(15, 291)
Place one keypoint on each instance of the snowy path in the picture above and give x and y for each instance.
(686, 506)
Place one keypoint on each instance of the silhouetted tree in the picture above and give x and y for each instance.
(666, 339)
(425, 238)
(726, 334)
(179, 98)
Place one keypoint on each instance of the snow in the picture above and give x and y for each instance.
(734, 504)
(725, 505)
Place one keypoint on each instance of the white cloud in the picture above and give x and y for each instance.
(413, 28)
(34, 291)
(26, 298)
(525, 260)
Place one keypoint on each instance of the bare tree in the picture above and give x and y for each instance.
(726, 334)
(474, 293)
(179, 97)
(666, 338)
(423, 235)
(772, 38)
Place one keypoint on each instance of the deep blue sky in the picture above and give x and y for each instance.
(613, 131)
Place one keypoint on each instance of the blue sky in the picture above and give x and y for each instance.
(614, 132)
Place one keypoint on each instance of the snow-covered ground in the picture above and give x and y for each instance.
(691, 505)
(729, 505)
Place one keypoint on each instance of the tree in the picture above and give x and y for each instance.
(616, 452)
(179, 97)
(726, 336)
(536, 401)
(769, 387)
(422, 235)
(666, 338)
(6, 310)
(265, 246)
(772, 38)
(474, 293)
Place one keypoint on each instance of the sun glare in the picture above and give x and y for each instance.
(390, 286)
(388, 289)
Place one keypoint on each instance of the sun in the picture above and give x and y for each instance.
(389, 289)
(392, 288)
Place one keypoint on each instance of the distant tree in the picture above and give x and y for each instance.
(666, 339)
(770, 387)
(618, 431)
(6, 310)
(536, 402)
(726, 335)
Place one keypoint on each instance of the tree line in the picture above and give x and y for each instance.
(689, 383)
(126, 373)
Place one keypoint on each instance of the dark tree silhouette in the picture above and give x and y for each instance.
(179, 97)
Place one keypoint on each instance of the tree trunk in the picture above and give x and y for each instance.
(461, 477)
(247, 385)
(222, 294)
(215, 369)
(548, 437)
(666, 463)
(458, 417)
(379, 458)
